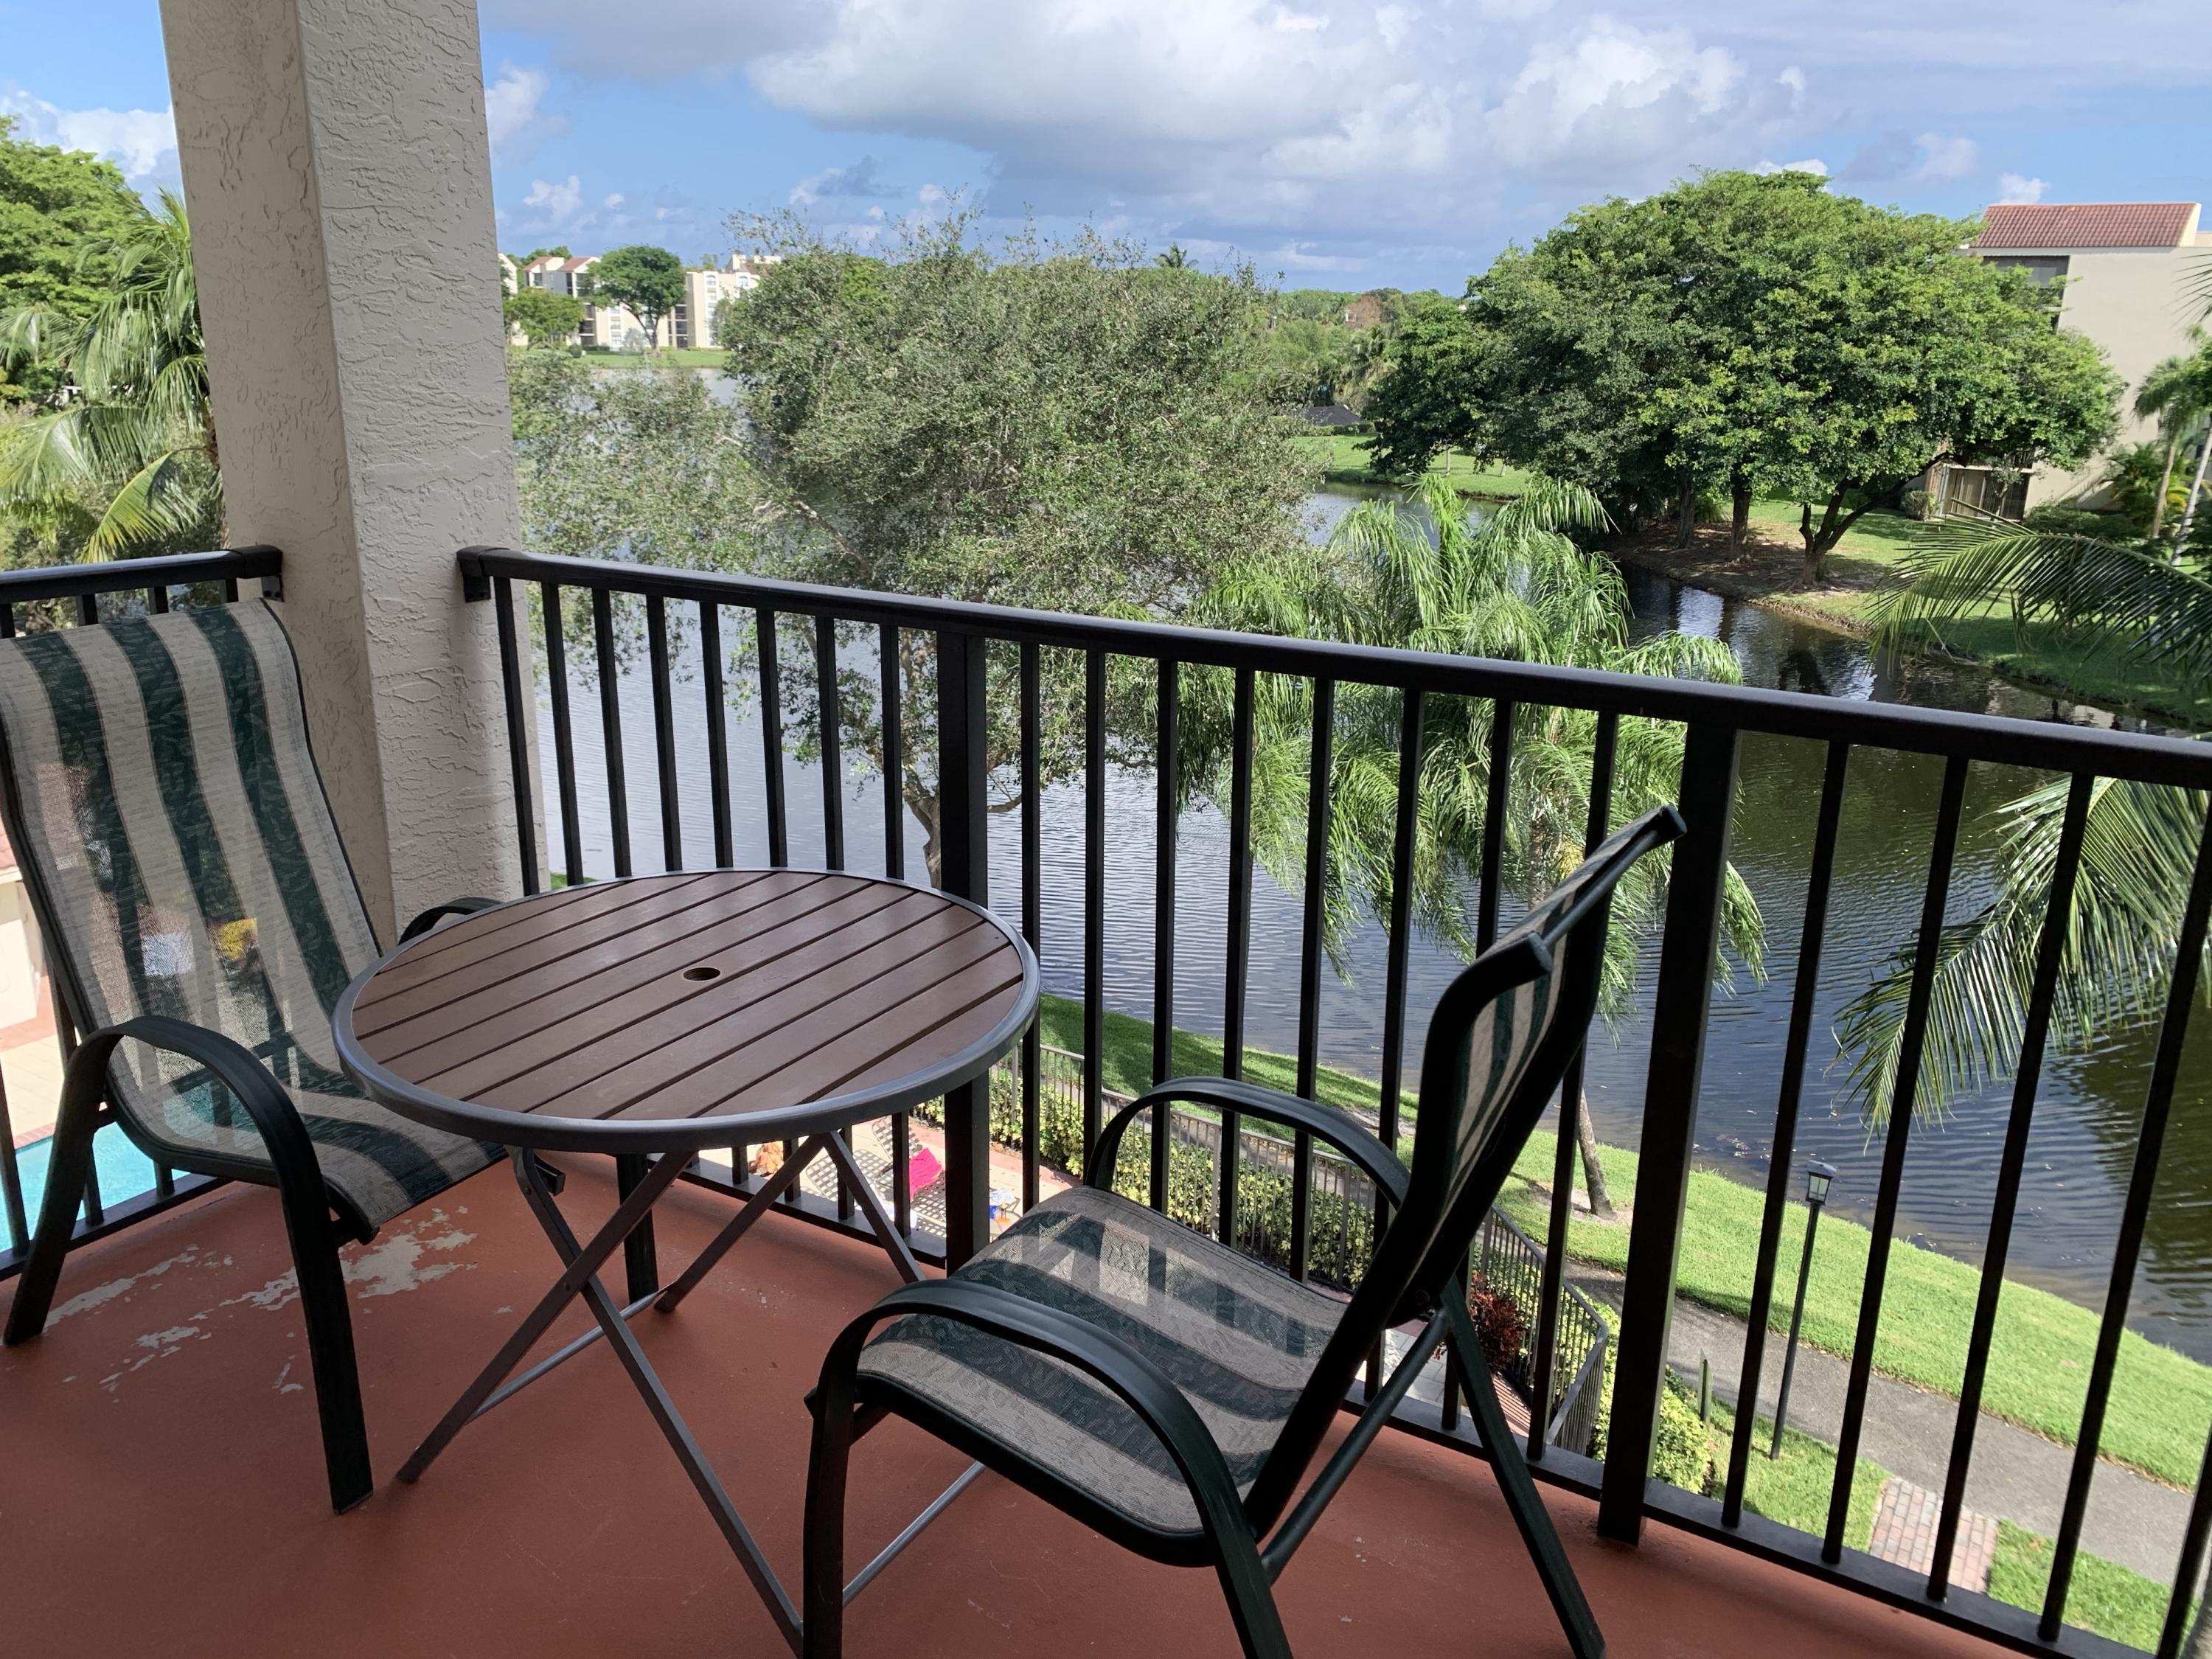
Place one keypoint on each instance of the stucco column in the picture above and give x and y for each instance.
(340, 181)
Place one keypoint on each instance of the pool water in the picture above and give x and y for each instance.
(124, 1171)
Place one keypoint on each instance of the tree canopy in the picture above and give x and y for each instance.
(1069, 426)
(546, 319)
(120, 458)
(648, 280)
(51, 202)
(1747, 334)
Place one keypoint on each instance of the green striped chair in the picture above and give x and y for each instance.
(1171, 1393)
(182, 861)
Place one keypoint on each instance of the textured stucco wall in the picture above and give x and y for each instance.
(335, 167)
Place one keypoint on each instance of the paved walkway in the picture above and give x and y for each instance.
(1904, 1522)
(2016, 1475)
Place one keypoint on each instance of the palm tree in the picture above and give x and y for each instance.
(1174, 259)
(2138, 849)
(125, 453)
(1514, 586)
(2177, 394)
(2139, 842)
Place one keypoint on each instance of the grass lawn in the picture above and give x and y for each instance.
(2162, 1402)
(2103, 1597)
(1793, 1488)
(1343, 458)
(2038, 1370)
(674, 358)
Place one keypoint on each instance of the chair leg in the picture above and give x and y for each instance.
(1251, 1598)
(67, 1169)
(1537, 1533)
(822, 1593)
(329, 1344)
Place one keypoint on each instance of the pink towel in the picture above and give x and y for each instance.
(921, 1170)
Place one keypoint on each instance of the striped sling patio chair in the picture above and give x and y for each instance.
(202, 917)
(1171, 1393)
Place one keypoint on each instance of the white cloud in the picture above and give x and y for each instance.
(514, 112)
(141, 141)
(1342, 124)
(1811, 164)
(1945, 159)
(2013, 188)
(556, 202)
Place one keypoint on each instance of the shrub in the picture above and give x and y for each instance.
(1499, 1324)
(1915, 503)
(1681, 1452)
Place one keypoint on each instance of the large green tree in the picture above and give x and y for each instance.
(52, 202)
(121, 457)
(1068, 427)
(545, 318)
(648, 280)
(1750, 334)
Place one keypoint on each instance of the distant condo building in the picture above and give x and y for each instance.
(617, 328)
(2128, 269)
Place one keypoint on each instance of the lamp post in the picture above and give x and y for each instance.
(1817, 1177)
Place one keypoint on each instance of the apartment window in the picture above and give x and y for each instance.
(2041, 268)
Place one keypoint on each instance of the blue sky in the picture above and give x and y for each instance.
(1334, 143)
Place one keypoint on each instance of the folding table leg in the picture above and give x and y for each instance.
(673, 1429)
(756, 1207)
(886, 1230)
(579, 1271)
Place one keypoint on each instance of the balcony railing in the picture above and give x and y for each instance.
(963, 639)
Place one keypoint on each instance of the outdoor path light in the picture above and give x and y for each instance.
(1817, 1177)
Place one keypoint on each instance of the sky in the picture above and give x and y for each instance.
(1326, 143)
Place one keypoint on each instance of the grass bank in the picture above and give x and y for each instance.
(2039, 1369)
(1343, 458)
(1870, 562)
(674, 358)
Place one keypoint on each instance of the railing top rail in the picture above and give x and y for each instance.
(69, 582)
(2047, 745)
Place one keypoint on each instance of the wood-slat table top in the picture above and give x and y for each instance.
(686, 1011)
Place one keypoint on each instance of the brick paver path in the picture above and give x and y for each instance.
(1905, 1518)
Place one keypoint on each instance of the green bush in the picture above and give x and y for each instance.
(1680, 1449)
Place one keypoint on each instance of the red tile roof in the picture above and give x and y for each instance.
(2085, 224)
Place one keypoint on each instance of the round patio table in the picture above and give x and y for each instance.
(653, 1016)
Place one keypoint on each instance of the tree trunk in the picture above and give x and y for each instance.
(2164, 485)
(1739, 511)
(1686, 516)
(2196, 493)
(1592, 1171)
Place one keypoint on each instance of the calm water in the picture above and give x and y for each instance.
(2088, 1106)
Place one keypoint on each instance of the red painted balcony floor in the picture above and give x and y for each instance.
(161, 1490)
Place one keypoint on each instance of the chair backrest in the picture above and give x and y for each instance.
(1498, 1047)
(182, 858)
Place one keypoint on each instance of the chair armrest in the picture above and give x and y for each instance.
(1139, 1383)
(1339, 1128)
(251, 1084)
(437, 913)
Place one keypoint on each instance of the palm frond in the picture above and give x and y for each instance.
(2132, 598)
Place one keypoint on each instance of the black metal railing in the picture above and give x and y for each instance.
(960, 637)
(75, 596)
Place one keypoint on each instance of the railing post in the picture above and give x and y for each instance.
(1671, 1113)
(964, 854)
